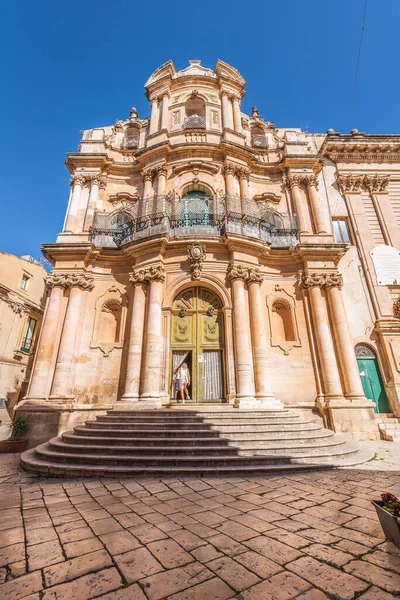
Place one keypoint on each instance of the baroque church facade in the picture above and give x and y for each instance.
(265, 258)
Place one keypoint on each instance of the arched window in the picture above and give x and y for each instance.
(195, 113)
(258, 138)
(364, 350)
(282, 321)
(195, 209)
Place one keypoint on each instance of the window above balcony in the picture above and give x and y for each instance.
(195, 113)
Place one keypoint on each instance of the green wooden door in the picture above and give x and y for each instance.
(372, 384)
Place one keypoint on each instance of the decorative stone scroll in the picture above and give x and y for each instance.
(247, 274)
(69, 280)
(323, 280)
(355, 183)
(100, 180)
(196, 255)
(152, 273)
(308, 179)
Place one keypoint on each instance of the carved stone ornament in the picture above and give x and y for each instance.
(152, 273)
(396, 308)
(69, 280)
(355, 183)
(100, 180)
(17, 308)
(308, 179)
(246, 274)
(196, 254)
(323, 280)
(78, 180)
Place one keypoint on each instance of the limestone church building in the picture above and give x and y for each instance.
(266, 258)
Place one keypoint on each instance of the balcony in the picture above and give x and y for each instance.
(217, 217)
(130, 143)
(259, 141)
(194, 122)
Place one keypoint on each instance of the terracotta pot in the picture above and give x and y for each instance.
(10, 446)
(389, 523)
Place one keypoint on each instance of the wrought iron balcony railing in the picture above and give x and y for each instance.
(130, 143)
(194, 122)
(260, 141)
(177, 218)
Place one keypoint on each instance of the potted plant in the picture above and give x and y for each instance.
(16, 443)
(388, 511)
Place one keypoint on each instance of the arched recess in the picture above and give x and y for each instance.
(284, 332)
(258, 137)
(195, 112)
(109, 321)
(371, 378)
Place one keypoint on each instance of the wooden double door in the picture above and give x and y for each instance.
(197, 338)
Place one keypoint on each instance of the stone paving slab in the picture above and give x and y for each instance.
(308, 536)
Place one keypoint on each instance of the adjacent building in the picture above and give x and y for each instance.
(22, 300)
(265, 258)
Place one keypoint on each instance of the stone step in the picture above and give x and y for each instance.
(46, 452)
(241, 448)
(80, 435)
(173, 414)
(177, 427)
(150, 445)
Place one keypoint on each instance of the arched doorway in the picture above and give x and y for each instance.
(371, 378)
(197, 338)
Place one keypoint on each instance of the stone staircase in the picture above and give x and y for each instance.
(193, 442)
(389, 427)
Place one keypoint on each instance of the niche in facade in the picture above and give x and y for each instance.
(109, 323)
(195, 112)
(258, 138)
(282, 320)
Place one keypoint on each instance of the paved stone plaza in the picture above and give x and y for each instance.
(308, 536)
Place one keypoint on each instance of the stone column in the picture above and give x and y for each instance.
(314, 282)
(311, 182)
(244, 178)
(148, 175)
(227, 116)
(161, 189)
(150, 394)
(259, 342)
(344, 344)
(154, 116)
(237, 117)
(132, 382)
(98, 181)
(77, 182)
(39, 385)
(294, 182)
(164, 111)
(62, 385)
(245, 392)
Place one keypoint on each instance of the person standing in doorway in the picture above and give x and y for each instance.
(184, 382)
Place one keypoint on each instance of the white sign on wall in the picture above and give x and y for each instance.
(386, 261)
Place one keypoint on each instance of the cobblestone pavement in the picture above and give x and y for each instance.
(310, 536)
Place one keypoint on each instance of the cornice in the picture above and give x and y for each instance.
(358, 147)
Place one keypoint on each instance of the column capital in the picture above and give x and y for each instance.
(310, 180)
(161, 169)
(243, 173)
(148, 174)
(237, 271)
(292, 180)
(351, 183)
(78, 180)
(322, 280)
(100, 180)
(228, 169)
(147, 275)
(254, 275)
(69, 280)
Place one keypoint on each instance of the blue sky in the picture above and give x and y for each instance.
(74, 65)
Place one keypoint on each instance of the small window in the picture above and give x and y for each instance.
(24, 282)
(27, 339)
(341, 231)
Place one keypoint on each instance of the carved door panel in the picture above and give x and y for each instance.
(197, 327)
